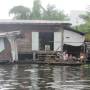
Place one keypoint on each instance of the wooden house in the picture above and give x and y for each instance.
(39, 36)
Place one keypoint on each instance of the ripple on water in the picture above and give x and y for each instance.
(31, 77)
(30, 70)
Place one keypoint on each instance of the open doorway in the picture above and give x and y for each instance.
(74, 50)
(46, 39)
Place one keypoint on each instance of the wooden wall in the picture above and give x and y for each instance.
(25, 43)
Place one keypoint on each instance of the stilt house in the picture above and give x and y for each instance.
(37, 36)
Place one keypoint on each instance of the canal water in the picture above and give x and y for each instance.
(44, 77)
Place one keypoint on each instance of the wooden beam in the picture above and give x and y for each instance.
(13, 45)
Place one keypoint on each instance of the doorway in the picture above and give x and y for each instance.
(74, 50)
(46, 40)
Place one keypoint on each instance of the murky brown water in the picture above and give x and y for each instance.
(44, 77)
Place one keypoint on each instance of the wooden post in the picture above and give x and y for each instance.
(13, 45)
(34, 55)
(62, 38)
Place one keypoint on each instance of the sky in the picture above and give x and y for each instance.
(65, 5)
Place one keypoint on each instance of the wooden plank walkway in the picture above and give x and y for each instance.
(65, 63)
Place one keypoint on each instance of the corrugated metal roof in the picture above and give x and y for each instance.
(40, 22)
(33, 22)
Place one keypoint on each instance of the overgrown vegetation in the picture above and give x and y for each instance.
(85, 27)
(38, 12)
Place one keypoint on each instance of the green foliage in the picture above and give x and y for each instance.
(86, 17)
(20, 12)
(38, 12)
(83, 28)
(87, 37)
(51, 13)
(86, 26)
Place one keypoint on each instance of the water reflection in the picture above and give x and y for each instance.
(44, 77)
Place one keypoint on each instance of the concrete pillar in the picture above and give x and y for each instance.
(13, 45)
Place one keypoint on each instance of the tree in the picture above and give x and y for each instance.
(51, 13)
(20, 12)
(36, 10)
(85, 27)
(86, 17)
